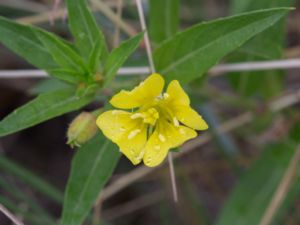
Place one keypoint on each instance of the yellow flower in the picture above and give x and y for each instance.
(157, 122)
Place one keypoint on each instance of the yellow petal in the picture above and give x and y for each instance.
(189, 117)
(130, 135)
(165, 136)
(145, 93)
(176, 94)
(156, 150)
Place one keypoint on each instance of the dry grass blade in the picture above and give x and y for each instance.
(107, 11)
(282, 189)
(11, 216)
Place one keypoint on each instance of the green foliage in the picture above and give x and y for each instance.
(30, 179)
(190, 53)
(92, 165)
(87, 66)
(42, 108)
(119, 55)
(64, 55)
(252, 195)
(85, 30)
(24, 42)
(164, 19)
(265, 46)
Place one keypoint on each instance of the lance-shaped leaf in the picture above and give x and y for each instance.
(92, 166)
(119, 55)
(266, 46)
(23, 41)
(189, 54)
(64, 55)
(163, 19)
(253, 193)
(84, 28)
(42, 108)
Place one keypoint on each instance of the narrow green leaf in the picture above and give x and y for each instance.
(42, 108)
(92, 166)
(65, 56)
(191, 53)
(119, 55)
(84, 28)
(252, 195)
(266, 46)
(94, 58)
(23, 41)
(163, 19)
(70, 76)
(30, 179)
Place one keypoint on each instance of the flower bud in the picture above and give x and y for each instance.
(81, 129)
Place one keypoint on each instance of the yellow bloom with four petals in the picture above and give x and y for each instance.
(158, 121)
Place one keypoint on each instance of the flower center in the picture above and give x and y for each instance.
(149, 116)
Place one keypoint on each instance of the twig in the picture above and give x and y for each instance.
(107, 11)
(133, 205)
(146, 36)
(13, 218)
(97, 213)
(116, 38)
(238, 121)
(282, 189)
(215, 71)
(255, 66)
(42, 17)
(25, 5)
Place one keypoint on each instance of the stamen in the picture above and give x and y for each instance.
(136, 115)
(166, 95)
(161, 138)
(133, 133)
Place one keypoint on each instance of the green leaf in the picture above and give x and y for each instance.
(23, 41)
(70, 76)
(42, 108)
(94, 58)
(163, 19)
(253, 193)
(64, 55)
(191, 53)
(119, 55)
(92, 166)
(84, 28)
(266, 46)
(30, 179)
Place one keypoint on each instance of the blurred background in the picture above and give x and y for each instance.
(230, 177)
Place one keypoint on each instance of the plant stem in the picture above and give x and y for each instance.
(11, 216)
(152, 70)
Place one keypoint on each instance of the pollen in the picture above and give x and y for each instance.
(175, 122)
(133, 133)
(161, 138)
(166, 95)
